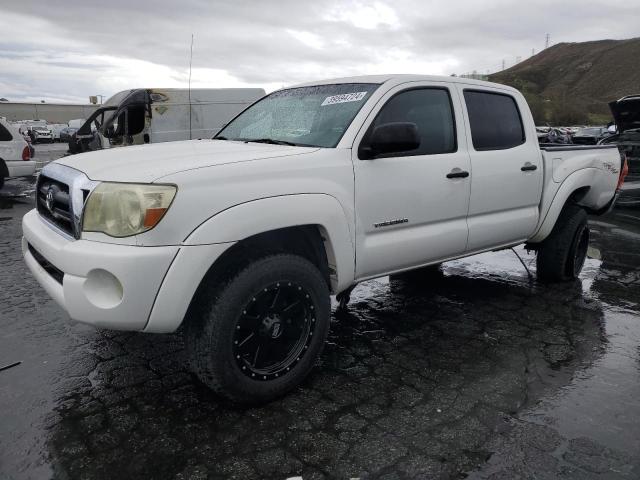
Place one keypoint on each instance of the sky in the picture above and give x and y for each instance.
(66, 51)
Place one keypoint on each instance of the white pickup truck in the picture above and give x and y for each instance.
(243, 238)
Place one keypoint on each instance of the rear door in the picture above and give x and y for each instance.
(410, 208)
(506, 168)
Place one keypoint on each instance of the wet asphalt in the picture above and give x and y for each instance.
(477, 372)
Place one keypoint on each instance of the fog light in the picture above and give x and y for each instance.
(103, 289)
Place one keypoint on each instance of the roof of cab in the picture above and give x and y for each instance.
(404, 78)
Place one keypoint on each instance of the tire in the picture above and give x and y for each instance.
(1, 181)
(233, 320)
(562, 254)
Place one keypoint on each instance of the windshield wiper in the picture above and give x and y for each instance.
(272, 141)
(220, 138)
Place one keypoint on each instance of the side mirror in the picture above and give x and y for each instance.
(393, 137)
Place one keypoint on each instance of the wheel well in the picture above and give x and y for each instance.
(578, 195)
(307, 241)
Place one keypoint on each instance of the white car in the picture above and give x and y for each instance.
(15, 155)
(243, 238)
(41, 134)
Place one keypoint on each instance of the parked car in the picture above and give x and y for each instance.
(307, 192)
(40, 134)
(55, 129)
(15, 154)
(626, 113)
(140, 116)
(590, 135)
(67, 133)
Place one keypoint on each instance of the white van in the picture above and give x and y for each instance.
(139, 116)
(15, 155)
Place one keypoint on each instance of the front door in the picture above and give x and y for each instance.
(411, 207)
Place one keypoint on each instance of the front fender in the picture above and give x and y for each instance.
(258, 216)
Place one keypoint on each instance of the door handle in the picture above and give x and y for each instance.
(529, 167)
(457, 173)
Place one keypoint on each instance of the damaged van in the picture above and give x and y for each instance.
(139, 116)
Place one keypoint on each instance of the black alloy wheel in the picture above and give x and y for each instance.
(256, 335)
(580, 249)
(274, 331)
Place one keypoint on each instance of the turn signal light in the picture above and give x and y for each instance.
(26, 154)
(152, 216)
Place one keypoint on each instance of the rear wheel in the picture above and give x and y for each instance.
(562, 254)
(258, 335)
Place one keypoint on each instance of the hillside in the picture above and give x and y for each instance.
(573, 82)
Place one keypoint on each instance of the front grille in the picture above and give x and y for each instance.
(54, 203)
(51, 269)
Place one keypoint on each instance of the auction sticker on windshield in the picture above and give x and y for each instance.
(343, 98)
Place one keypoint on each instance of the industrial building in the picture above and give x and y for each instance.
(51, 112)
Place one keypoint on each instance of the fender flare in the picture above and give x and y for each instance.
(262, 215)
(580, 179)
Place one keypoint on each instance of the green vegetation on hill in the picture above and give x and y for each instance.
(571, 83)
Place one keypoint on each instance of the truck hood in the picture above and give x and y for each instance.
(626, 112)
(147, 163)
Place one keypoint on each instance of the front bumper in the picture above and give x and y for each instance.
(119, 287)
(21, 168)
(106, 285)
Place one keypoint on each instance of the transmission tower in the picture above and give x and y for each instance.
(546, 43)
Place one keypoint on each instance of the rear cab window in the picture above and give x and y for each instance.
(5, 135)
(495, 120)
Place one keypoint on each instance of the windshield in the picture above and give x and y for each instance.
(115, 100)
(314, 116)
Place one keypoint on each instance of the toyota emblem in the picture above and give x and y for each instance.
(49, 200)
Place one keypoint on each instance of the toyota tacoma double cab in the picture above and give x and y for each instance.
(242, 239)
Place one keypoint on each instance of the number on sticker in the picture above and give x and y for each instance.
(343, 98)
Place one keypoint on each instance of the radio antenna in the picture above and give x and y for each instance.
(190, 63)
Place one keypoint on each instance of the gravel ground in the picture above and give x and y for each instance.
(478, 372)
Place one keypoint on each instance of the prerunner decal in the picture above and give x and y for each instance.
(343, 98)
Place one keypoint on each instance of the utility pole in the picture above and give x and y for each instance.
(503, 64)
(546, 43)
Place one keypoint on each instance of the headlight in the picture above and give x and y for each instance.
(124, 209)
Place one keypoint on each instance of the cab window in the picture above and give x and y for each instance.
(495, 120)
(430, 109)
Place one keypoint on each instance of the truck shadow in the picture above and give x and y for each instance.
(414, 379)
